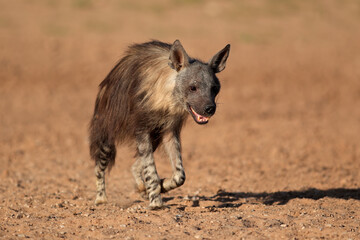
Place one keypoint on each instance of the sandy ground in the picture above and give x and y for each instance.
(280, 159)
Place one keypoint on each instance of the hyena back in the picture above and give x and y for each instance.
(146, 97)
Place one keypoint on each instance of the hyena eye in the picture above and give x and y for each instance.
(192, 89)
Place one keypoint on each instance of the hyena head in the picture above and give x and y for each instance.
(196, 83)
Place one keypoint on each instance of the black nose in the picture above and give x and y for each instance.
(210, 109)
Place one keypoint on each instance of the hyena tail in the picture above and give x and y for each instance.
(102, 146)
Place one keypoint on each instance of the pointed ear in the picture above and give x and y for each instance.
(178, 57)
(218, 62)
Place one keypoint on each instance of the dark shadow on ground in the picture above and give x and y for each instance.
(229, 199)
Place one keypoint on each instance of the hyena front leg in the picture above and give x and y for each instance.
(173, 149)
(104, 154)
(151, 177)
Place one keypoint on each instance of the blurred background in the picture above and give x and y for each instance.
(289, 97)
(290, 91)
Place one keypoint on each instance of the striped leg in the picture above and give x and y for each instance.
(100, 184)
(105, 155)
(173, 149)
(152, 180)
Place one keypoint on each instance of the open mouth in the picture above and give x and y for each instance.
(197, 117)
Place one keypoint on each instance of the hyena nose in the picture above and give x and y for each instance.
(210, 109)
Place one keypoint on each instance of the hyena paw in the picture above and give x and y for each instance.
(156, 204)
(100, 199)
(144, 195)
(142, 191)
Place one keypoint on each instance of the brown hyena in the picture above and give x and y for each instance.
(146, 97)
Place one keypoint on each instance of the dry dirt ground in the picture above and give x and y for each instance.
(279, 160)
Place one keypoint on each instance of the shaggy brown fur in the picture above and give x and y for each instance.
(146, 96)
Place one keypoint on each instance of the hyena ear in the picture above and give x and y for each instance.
(218, 62)
(178, 57)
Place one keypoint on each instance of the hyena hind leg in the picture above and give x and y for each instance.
(137, 169)
(105, 155)
(100, 185)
